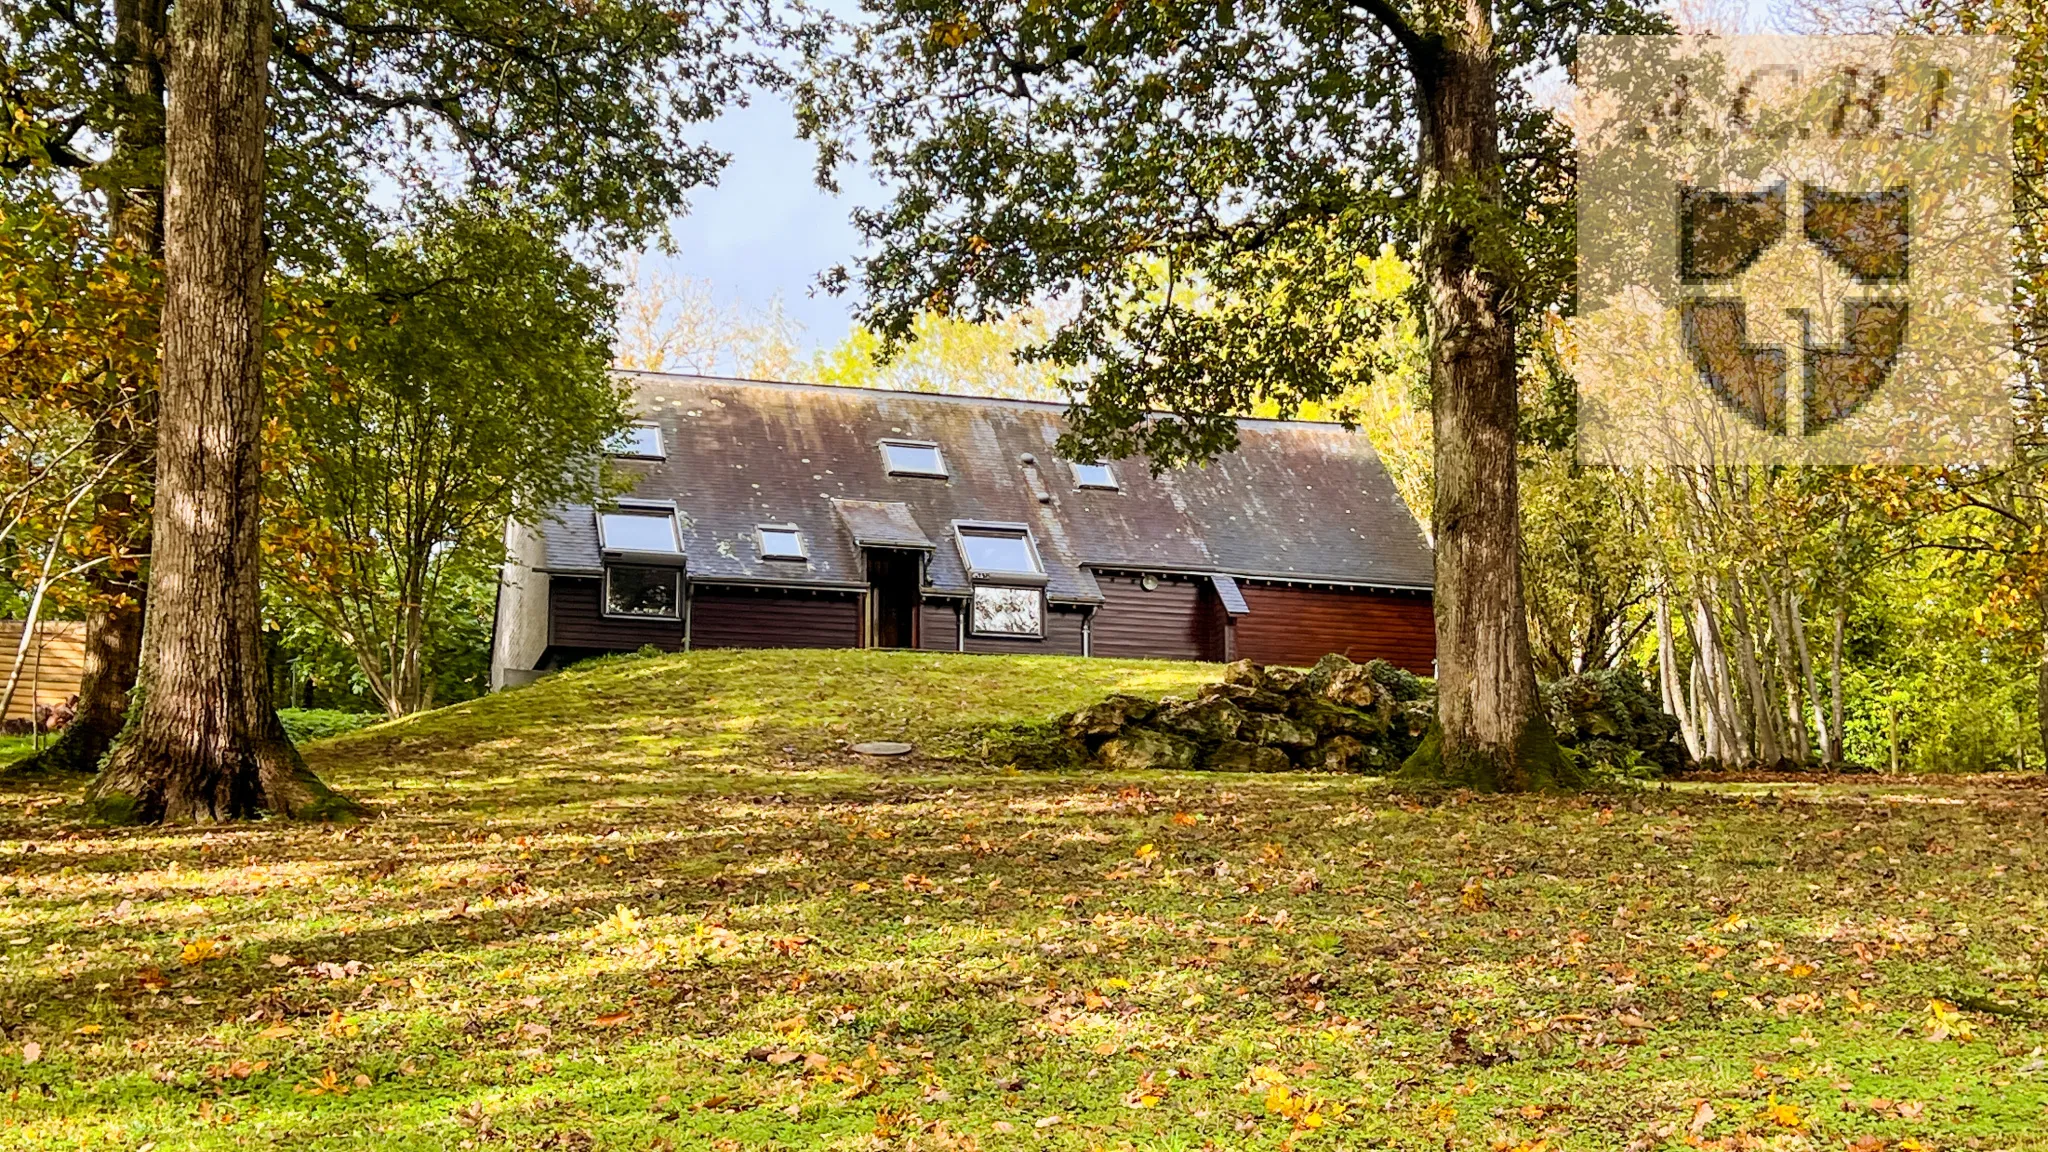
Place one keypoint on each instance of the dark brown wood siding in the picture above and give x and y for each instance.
(1062, 637)
(576, 621)
(724, 617)
(1293, 625)
(938, 625)
(1175, 621)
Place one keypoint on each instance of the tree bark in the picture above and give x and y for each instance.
(1835, 685)
(1491, 732)
(202, 741)
(135, 209)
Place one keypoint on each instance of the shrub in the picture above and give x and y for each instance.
(304, 724)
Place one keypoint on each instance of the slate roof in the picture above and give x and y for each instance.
(1298, 501)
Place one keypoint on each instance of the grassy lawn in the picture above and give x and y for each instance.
(13, 748)
(655, 904)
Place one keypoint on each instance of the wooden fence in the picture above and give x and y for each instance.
(56, 659)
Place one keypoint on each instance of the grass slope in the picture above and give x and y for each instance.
(654, 904)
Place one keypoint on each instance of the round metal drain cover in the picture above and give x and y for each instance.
(882, 748)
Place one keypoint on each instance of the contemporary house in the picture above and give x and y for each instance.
(789, 515)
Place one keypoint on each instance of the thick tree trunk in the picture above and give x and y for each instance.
(1491, 733)
(203, 742)
(135, 209)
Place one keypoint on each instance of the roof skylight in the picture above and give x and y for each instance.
(913, 458)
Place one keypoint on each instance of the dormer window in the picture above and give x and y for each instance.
(913, 458)
(999, 552)
(642, 441)
(639, 530)
(1096, 475)
(780, 542)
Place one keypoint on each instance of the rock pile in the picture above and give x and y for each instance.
(1336, 717)
(1612, 717)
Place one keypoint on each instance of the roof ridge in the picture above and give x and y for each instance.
(1061, 405)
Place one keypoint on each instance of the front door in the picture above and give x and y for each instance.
(893, 595)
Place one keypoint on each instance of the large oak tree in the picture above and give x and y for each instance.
(579, 110)
(1207, 183)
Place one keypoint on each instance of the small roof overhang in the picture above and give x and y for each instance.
(882, 524)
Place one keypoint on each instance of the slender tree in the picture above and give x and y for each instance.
(469, 373)
(1208, 183)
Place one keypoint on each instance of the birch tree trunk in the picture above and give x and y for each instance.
(203, 742)
(1668, 677)
(1835, 683)
(1491, 733)
(1829, 754)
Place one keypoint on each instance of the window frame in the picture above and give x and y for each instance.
(675, 576)
(1112, 485)
(1038, 598)
(660, 444)
(650, 510)
(938, 454)
(802, 555)
(962, 529)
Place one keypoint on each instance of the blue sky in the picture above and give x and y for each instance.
(767, 231)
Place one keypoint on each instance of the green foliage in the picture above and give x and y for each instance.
(1207, 186)
(308, 724)
(946, 354)
(580, 111)
(470, 386)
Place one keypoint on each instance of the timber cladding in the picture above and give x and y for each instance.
(1178, 619)
(50, 673)
(1290, 624)
(722, 617)
(576, 621)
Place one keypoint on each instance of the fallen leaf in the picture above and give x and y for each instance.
(612, 1019)
(31, 1052)
(1701, 1117)
(277, 1032)
(1046, 1121)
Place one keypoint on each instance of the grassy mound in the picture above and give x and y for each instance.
(655, 904)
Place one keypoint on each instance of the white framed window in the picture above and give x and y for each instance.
(780, 542)
(642, 441)
(644, 529)
(1096, 475)
(998, 551)
(1005, 610)
(913, 458)
(643, 593)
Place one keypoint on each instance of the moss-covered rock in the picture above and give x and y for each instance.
(1111, 716)
(1207, 720)
(1610, 717)
(1278, 732)
(1337, 754)
(1143, 749)
(1239, 756)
